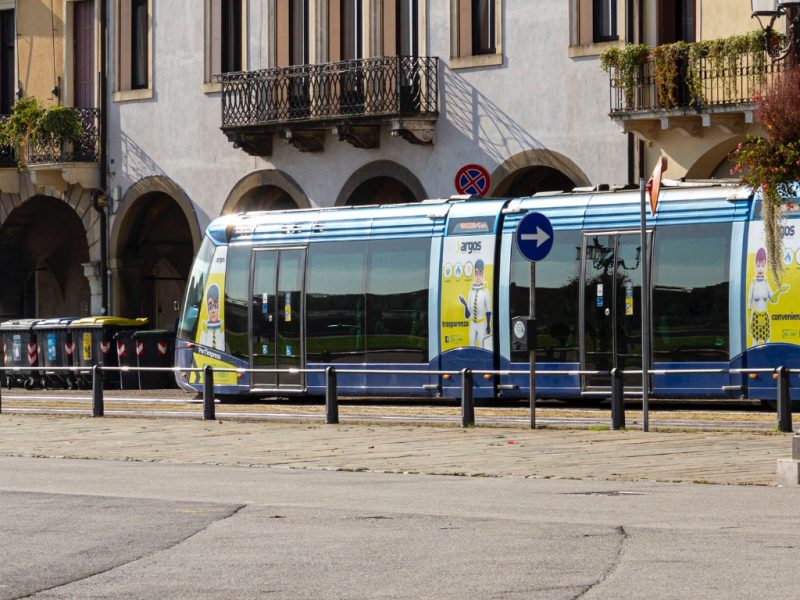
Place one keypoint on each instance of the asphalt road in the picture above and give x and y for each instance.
(113, 529)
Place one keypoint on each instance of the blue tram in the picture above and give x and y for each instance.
(435, 285)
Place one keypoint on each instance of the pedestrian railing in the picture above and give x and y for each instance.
(466, 378)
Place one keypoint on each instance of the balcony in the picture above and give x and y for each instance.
(696, 90)
(353, 99)
(56, 161)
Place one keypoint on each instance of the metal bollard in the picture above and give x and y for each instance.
(467, 401)
(97, 391)
(331, 400)
(208, 394)
(617, 400)
(784, 400)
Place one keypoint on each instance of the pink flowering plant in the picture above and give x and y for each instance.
(772, 163)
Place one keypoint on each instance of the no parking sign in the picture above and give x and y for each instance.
(473, 180)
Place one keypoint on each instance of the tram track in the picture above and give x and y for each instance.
(177, 404)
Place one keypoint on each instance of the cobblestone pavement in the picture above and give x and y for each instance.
(712, 457)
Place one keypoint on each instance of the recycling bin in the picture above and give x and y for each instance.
(126, 356)
(155, 348)
(21, 351)
(95, 344)
(56, 350)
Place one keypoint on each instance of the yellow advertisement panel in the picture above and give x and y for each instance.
(772, 308)
(211, 323)
(225, 378)
(466, 303)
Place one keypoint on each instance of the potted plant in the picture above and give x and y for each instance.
(32, 126)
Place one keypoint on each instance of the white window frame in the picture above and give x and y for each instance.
(122, 53)
(475, 60)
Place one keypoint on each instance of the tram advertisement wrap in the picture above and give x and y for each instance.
(772, 309)
(211, 322)
(466, 304)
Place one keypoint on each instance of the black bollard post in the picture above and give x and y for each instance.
(784, 400)
(617, 400)
(97, 391)
(208, 394)
(331, 400)
(467, 401)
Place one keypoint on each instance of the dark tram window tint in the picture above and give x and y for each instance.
(556, 299)
(690, 292)
(397, 301)
(335, 302)
(237, 272)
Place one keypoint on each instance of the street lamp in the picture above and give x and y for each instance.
(776, 48)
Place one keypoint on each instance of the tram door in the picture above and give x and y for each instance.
(276, 318)
(612, 323)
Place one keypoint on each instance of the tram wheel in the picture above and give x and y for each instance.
(30, 383)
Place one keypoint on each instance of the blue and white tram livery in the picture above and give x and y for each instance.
(434, 286)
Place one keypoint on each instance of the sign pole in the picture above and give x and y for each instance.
(534, 238)
(532, 347)
(645, 310)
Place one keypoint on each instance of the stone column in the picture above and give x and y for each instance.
(91, 270)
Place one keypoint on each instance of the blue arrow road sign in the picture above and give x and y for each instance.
(534, 236)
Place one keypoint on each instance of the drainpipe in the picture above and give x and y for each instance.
(630, 22)
(105, 275)
(96, 194)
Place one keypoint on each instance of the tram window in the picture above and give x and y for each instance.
(690, 292)
(187, 328)
(556, 299)
(237, 270)
(335, 302)
(397, 301)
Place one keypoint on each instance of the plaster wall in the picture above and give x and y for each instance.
(724, 18)
(539, 98)
(40, 48)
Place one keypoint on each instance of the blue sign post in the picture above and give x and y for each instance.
(534, 238)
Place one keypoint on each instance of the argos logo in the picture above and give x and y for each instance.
(469, 247)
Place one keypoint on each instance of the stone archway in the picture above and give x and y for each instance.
(532, 171)
(43, 254)
(265, 190)
(153, 242)
(714, 162)
(381, 182)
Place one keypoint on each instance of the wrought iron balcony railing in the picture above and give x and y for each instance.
(349, 91)
(692, 84)
(8, 156)
(56, 149)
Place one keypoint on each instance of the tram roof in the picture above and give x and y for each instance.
(593, 208)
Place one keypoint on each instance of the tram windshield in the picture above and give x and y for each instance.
(187, 326)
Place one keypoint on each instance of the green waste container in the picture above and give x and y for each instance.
(95, 344)
(20, 350)
(56, 350)
(155, 348)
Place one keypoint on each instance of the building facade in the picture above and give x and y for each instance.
(220, 106)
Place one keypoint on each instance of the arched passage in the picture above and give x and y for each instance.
(154, 241)
(714, 163)
(533, 171)
(381, 182)
(43, 248)
(265, 190)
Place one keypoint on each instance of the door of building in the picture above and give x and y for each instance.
(611, 306)
(277, 318)
(83, 53)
